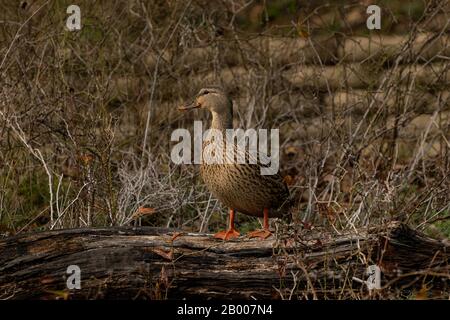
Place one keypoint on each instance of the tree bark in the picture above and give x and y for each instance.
(148, 263)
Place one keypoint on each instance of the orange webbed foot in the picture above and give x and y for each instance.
(227, 235)
(262, 234)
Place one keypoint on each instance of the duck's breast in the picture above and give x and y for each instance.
(242, 187)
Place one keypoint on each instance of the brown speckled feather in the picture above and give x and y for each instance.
(244, 188)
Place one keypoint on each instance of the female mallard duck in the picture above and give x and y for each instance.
(241, 187)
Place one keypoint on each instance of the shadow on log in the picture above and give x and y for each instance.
(154, 263)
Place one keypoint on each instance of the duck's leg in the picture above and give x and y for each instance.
(264, 233)
(231, 233)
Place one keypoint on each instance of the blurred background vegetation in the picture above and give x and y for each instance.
(86, 116)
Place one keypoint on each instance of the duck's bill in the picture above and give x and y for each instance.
(192, 105)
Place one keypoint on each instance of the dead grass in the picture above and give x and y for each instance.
(86, 117)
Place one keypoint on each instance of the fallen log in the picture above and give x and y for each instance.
(155, 263)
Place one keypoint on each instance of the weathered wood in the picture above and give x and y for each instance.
(145, 262)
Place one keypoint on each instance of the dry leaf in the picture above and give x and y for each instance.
(176, 235)
(303, 33)
(291, 151)
(302, 30)
(307, 225)
(289, 180)
(59, 293)
(143, 211)
(47, 280)
(168, 255)
(422, 294)
(86, 159)
(146, 211)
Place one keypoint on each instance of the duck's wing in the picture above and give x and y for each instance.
(261, 166)
(258, 165)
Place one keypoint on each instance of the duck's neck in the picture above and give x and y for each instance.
(222, 121)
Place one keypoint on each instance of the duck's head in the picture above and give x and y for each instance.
(212, 98)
